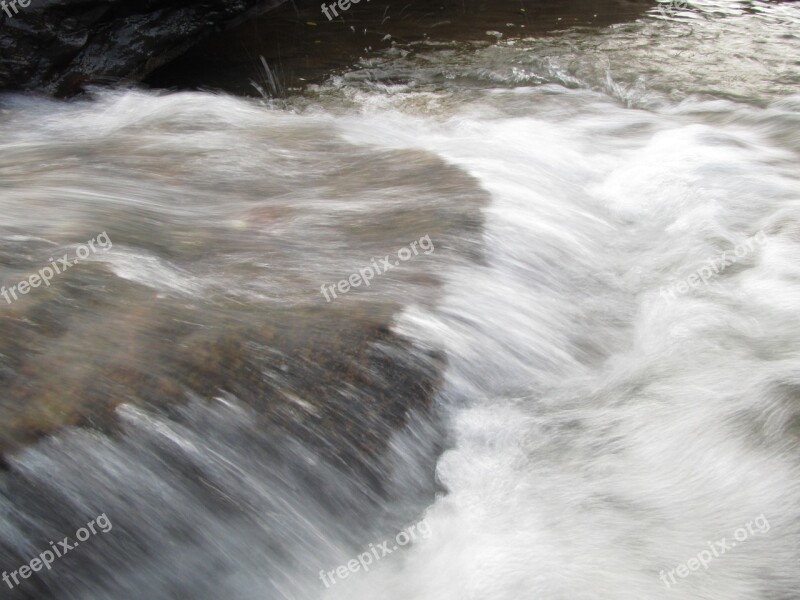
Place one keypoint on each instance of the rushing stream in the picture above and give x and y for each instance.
(603, 313)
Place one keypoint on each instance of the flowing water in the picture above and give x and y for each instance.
(600, 414)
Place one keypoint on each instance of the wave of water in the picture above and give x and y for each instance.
(605, 431)
(598, 432)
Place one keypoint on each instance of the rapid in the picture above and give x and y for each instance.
(588, 431)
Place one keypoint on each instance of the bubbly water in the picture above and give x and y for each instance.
(603, 424)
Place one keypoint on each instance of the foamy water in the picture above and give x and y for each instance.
(598, 433)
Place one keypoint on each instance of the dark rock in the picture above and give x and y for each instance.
(59, 46)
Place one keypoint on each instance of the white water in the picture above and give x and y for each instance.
(601, 433)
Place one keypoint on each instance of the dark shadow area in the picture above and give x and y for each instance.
(300, 45)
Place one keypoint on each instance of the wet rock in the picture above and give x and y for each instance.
(58, 46)
(337, 379)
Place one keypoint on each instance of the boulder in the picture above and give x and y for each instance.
(59, 46)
